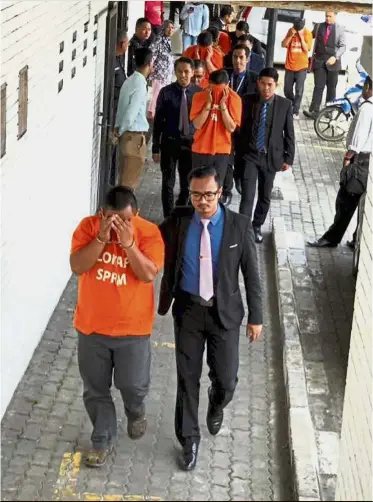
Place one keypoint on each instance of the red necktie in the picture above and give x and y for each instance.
(327, 33)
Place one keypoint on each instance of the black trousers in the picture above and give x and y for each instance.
(298, 79)
(174, 153)
(249, 170)
(218, 161)
(345, 207)
(101, 357)
(323, 77)
(196, 326)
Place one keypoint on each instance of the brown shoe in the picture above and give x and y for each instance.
(136, 427)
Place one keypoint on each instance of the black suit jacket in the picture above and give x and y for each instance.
(281, 144)
(237, 251)
(248, 85)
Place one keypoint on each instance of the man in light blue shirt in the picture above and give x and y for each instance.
(131, 124)
(196, 18)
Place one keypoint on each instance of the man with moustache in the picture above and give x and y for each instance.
(206, 245)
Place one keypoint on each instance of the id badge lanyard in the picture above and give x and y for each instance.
(240, 83)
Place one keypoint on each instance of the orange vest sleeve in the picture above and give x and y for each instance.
(235, 107)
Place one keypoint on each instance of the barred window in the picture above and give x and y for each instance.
(22, 102)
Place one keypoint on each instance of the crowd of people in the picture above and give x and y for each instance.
(216, 120)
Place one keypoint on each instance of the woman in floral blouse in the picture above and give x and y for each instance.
(163, 64)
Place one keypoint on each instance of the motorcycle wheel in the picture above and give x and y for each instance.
(331, 124)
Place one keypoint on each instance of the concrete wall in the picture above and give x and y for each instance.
(48, 177)
(354, 480)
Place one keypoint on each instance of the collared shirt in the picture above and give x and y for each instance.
(359, 137)
(131, 114)
(190, 263)
(167, 113)
(197, 21)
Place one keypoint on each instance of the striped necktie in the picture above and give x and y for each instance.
(260, 141)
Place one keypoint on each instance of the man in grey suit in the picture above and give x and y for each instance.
(330, 45)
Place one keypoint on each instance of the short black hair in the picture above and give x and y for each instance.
(204, 172)
(246, 38)
(121, 36)
(368, 82)
(199, 63)
(185, 60)
(270, 73)
(226, 10)
(219, 77)
(140, 21)
(242, 47)
(204, 39)
(214, 32)
(120, 197)
(143, 57)
(242, 26)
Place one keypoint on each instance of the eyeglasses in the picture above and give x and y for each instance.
(208, 196)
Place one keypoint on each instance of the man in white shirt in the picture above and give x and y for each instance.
(131, 124)
(354, 174)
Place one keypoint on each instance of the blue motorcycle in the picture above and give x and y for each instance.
(333, 120)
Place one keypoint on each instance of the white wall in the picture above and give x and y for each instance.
(46, 175)
(354, 480)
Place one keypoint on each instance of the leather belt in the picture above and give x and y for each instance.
(201, 301)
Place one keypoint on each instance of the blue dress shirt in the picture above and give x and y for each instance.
(131, 114)
(190, 263)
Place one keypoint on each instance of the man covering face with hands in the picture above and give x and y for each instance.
(116, 255)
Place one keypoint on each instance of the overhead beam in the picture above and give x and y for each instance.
(362, 7)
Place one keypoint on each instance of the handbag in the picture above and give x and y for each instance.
(354, 176)
(311, 59)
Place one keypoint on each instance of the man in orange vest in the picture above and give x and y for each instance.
(215, 112)
(205, 51)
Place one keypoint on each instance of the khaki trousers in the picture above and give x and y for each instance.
(132, 153)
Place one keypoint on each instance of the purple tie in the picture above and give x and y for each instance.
(206, 282)
(184, 116)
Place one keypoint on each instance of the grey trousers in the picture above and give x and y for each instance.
(101, 358)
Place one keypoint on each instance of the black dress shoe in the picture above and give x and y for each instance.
(214, 419)
(188, 457)
(258, 235)
(310, 115)
(351, 244)
(321, 243)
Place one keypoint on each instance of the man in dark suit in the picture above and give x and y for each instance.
(255, 62)
(264, 146)
(226, 17)
(143, 38)
(330, 45)
(242, 30)
(242, 81)
(173, 133)
(206, 245)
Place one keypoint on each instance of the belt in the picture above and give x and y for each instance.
(200, 301)
(136, 132)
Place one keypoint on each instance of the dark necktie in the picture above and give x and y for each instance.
(260, 141)
(184, 118)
